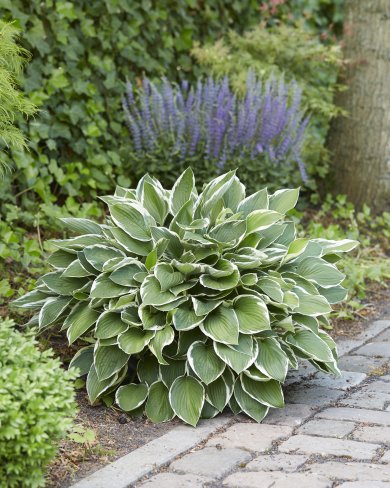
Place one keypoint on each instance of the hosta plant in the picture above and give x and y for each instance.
(190, 303)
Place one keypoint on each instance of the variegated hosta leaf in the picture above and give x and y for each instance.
(184, 303)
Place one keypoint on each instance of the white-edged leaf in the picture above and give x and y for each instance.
(129, 397)
(158, 408)
(205, 363)
(221, 325)
(186, 397)
(252, 314)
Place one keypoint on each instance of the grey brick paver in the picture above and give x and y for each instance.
(380, 435)
(361, 364)
(385, 335)
(350, 471)
(347, 380)
(376, 349)
(373, 395)
(306, 444)
(365, 484)
(277, 462)
(211, 461)
(275, 480)
(292, 414)
(173, 480)
(385, 458)
(250, 436)
(355, 414)
(311, 395)
(327, 428)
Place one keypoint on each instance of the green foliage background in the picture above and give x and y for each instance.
(82, 54)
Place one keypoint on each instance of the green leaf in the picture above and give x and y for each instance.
(163, 338)
(154, 202)
(224, 283)
(322, 273)
(158, 408)
(132, 396)
(256, 201)
(217, 394)
(237, 359)
(252, 314)
(82, 360)
(124, 275)
(76, 270)
(271, 360)
(229, 232)
(312, 305)
(186, 397)
(284, 200)
(108, 360)
(248, 404)
(172, 370)
(96, 387)
(295, 249)
(259, 220)
(167, 276)
(203, 307)
(152, 319)
(131, 218)
(53, 308)
(182, 190)
(61, 259)
(80, 319)
(140, 248)
(221, 325)
(98, 255)
(148, 370)
(63, 285)
(309, 343)
(330, 247)
(184, 318)
(268, 393)
(152, 294)
(134, 340)
(103, 287)
(205, 363)
(82, 226)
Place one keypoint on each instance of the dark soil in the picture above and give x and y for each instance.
(116, 435)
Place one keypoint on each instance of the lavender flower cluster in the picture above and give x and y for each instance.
(210, 121)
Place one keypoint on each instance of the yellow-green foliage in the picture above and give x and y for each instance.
(12, 101)
(36, 406)
(289, 52)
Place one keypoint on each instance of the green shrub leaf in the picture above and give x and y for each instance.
(186, 397)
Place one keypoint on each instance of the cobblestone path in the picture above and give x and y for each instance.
(332, 432)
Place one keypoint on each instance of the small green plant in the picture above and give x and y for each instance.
(36, 407)
(13, 103)
(193, 301)
(83, 436)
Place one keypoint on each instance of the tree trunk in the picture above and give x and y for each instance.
(360, 142)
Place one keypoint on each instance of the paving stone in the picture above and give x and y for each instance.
(306, 444)
(277, 462)
(372, 395)
(210, 461)
(355, 414)
(376, 349)
(347, 345)
(293, 414)
(385, 335)
(311, 395)
(305, 370)
(344, 382)
(173, 480)
(385, 458)
(275, 480)
(350, 471)
(380, 435)
(364, 484)
(361, 364)
(250, 436)
(327, 428)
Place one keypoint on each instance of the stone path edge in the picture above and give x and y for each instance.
(129, 469)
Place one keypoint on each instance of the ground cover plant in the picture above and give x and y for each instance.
(190, 302)
(213, 128)
(36, 407)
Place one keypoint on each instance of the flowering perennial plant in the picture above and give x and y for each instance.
(189, 303)
(209, 122)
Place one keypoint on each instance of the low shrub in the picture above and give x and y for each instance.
(214, 130)
(194, 301)
(36, 407)
(291, 53)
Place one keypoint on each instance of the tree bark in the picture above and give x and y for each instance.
(360, 142)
